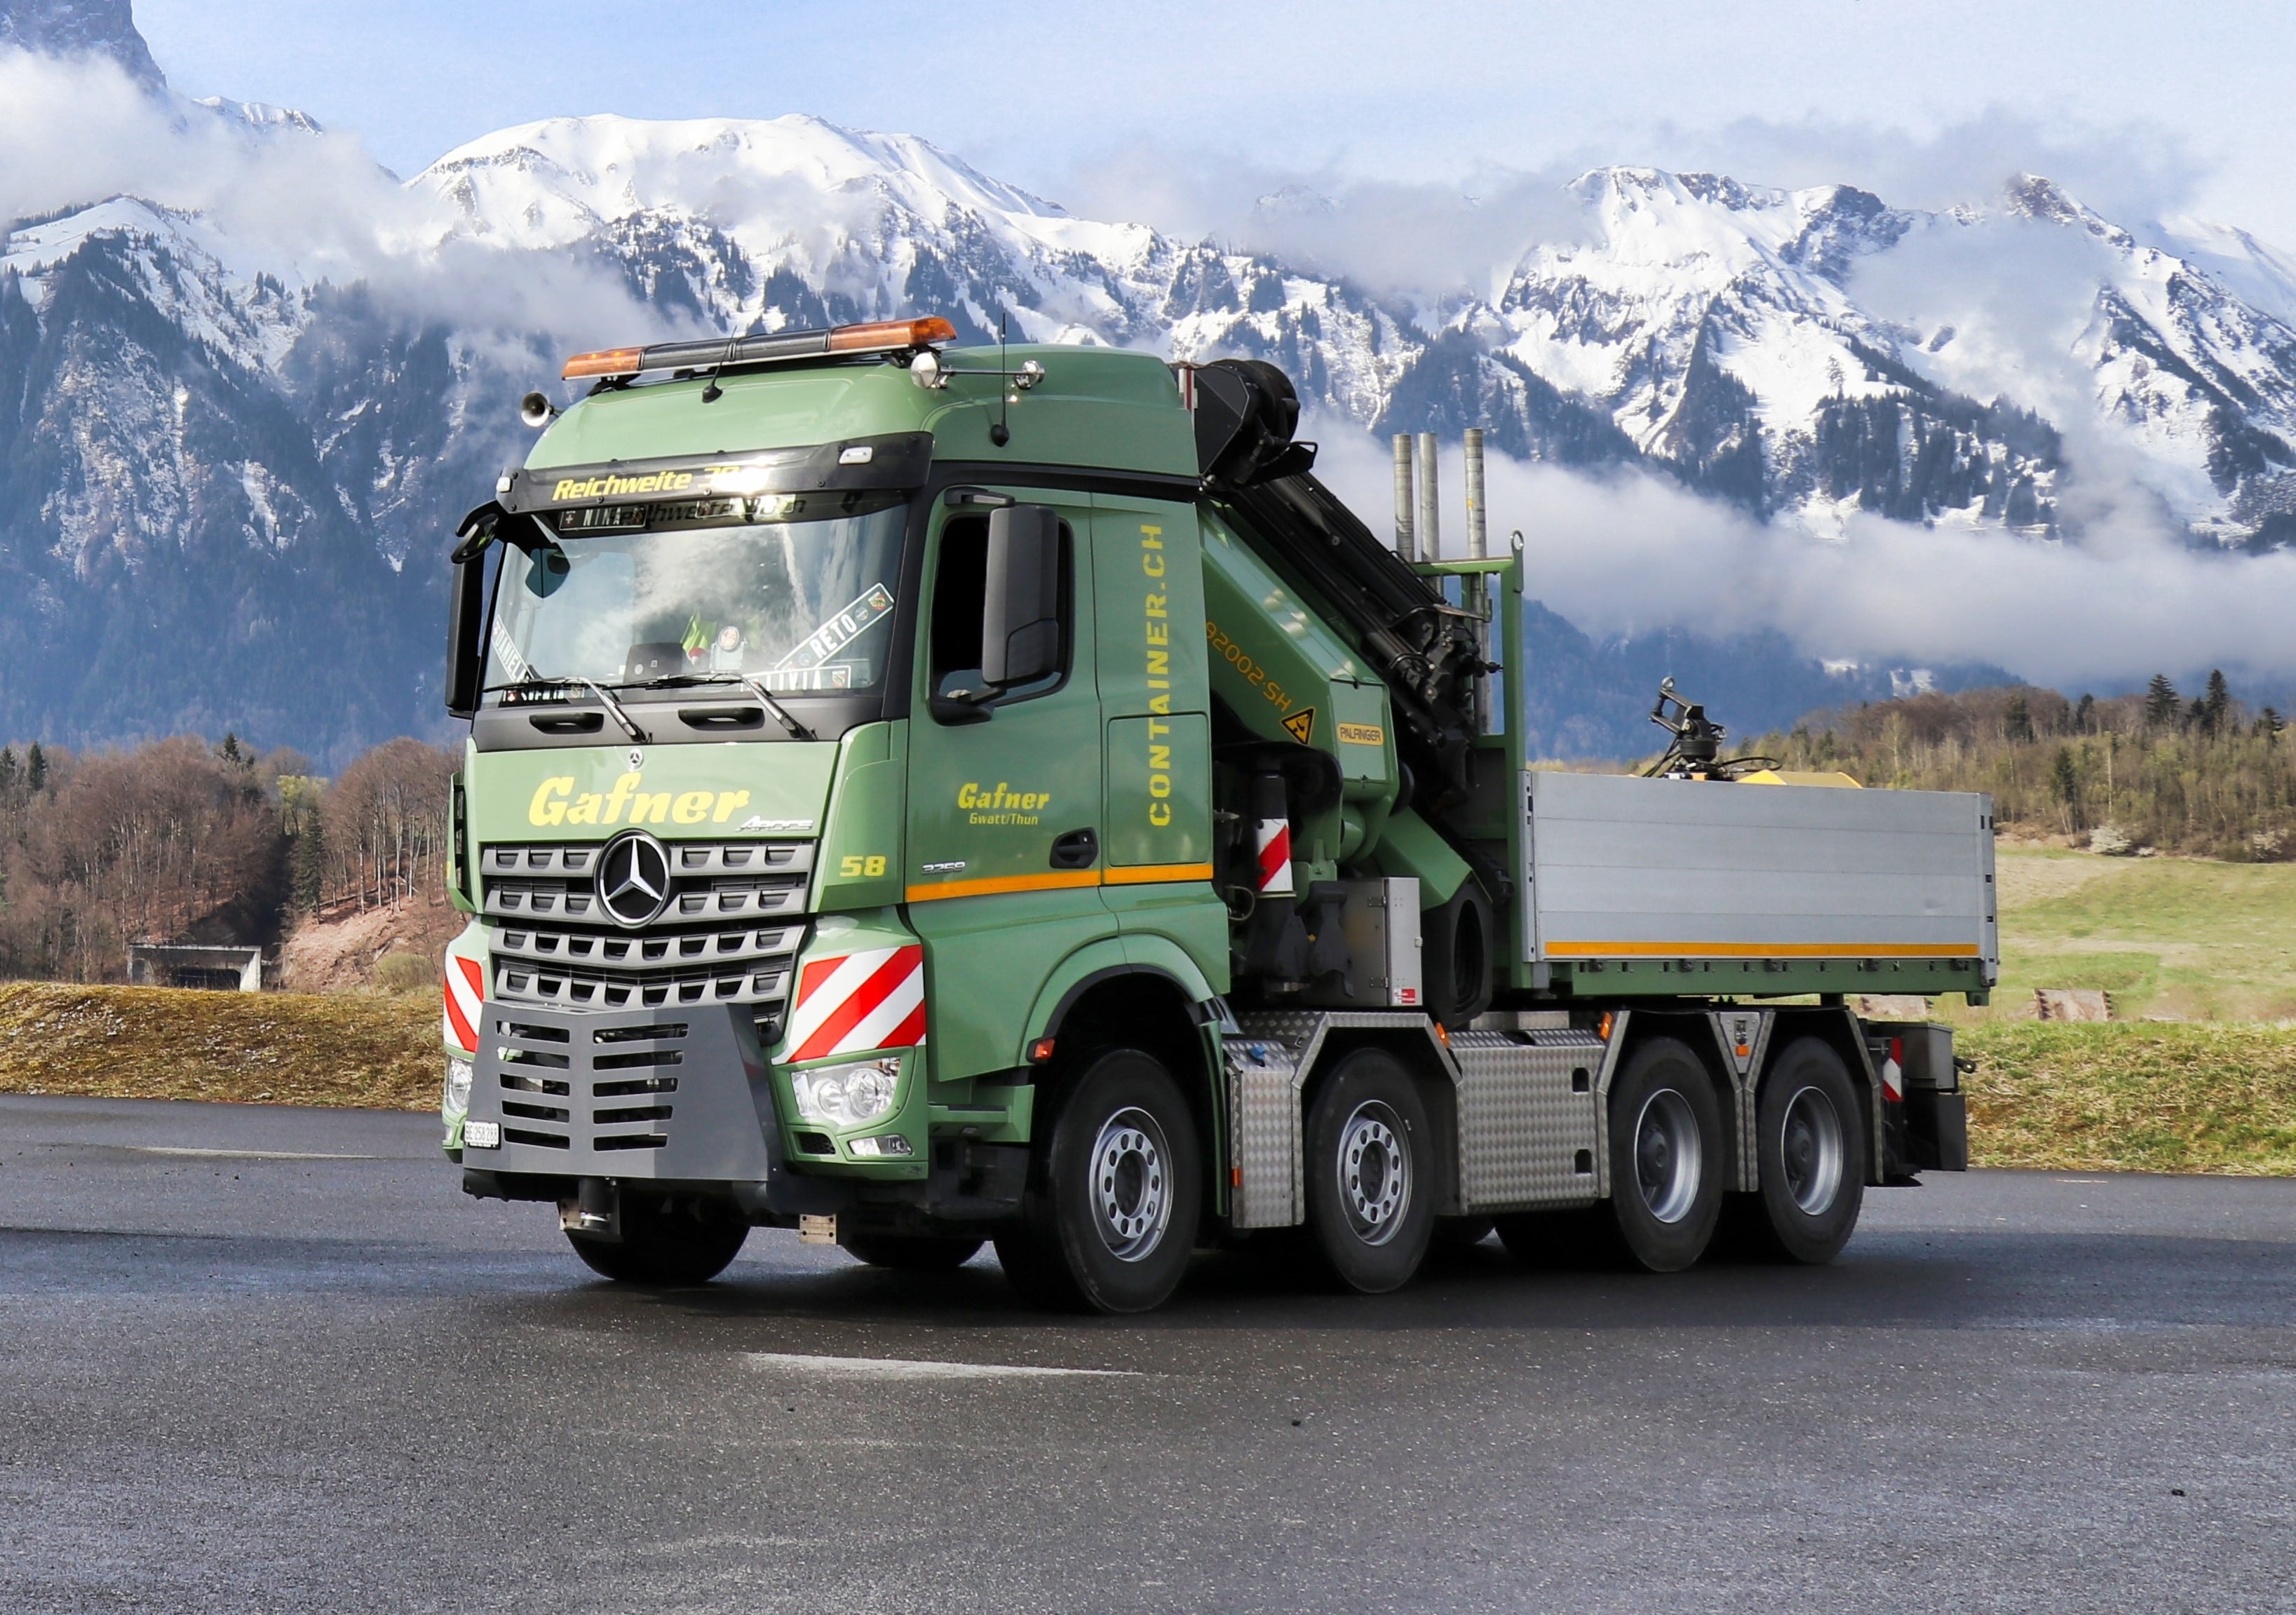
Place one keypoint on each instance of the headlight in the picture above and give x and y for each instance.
(847, 1096)
(457, 1101)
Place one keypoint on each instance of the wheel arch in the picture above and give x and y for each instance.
(1117, 1002)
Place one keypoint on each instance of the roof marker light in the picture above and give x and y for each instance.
(606, 362)
(885, 335)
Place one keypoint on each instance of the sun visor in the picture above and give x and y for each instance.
(894, 461)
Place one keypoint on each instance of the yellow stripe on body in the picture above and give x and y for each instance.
(1056, 880)
(1761, 950)
(1060, 880)
(1148, 875)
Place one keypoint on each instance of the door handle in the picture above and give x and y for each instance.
(1078, 849)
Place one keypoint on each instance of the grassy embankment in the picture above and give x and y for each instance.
(374, 1050)
(2212, 945)
(2198, 1073)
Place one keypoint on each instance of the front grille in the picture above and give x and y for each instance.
(729, 934)
(520, 1050)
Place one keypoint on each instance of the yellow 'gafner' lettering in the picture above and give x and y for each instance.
(554, 803)
(549, 807)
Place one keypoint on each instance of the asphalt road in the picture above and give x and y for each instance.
(259, 1359)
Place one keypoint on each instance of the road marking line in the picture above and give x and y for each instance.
(153, 1149)
(907, 1368)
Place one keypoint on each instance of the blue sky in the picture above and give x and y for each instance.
(2138, 105)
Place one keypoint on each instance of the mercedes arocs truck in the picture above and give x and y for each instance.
(925, 795)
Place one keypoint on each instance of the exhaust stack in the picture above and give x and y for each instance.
(1477, 546)
(1430, 541)
(1406, 545)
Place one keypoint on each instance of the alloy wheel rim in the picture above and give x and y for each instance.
(1375, 1171)
(1811, 1149)
(1131, 1184)
(1669, 1159)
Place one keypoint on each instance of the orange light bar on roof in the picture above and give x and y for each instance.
(606, 362)
(886, 334)
(879, 336)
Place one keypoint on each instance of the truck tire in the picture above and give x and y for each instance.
(1666, 1157)
(663, 1246)
(1371, 1175)
(910, 1252)
(1112, 1224)
(1810, 1141)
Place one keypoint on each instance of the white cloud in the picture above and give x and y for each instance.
(1629, 553)
(1422, 240)
(311, 207)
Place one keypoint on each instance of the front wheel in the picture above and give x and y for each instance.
(663, 1244)
(1371, 1178)
(1112, 1224)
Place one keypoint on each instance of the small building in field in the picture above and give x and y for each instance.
(218, 969)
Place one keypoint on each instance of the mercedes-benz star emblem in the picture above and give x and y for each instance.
(633, 879)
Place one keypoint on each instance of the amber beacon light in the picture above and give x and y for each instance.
(878, 336)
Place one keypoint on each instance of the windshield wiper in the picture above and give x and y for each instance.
(787, 720)
(612, 706)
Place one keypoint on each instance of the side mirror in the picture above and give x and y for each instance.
(1020, 620)
(466, 613)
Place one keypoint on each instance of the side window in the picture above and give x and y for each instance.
(959, 603)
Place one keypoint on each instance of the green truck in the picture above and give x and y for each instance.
(922, 796)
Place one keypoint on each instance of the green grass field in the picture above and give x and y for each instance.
(2171, 939)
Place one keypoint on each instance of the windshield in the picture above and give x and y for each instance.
(792, 590)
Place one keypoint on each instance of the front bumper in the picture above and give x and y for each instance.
(675, 1094)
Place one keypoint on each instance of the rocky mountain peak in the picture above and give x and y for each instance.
(2031, 196)
(81, 27)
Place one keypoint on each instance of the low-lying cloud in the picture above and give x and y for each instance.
(1628, 553)
(311, 206)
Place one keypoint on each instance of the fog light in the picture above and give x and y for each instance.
(482, 1135)
(889, 1144)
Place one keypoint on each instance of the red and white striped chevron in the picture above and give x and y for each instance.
(466, 990)
(849, 1003)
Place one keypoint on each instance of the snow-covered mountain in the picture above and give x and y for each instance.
(226, 462)
(1728, 332)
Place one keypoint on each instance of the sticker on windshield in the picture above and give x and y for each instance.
(838, 675)
(876, 602)
(506, 650)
